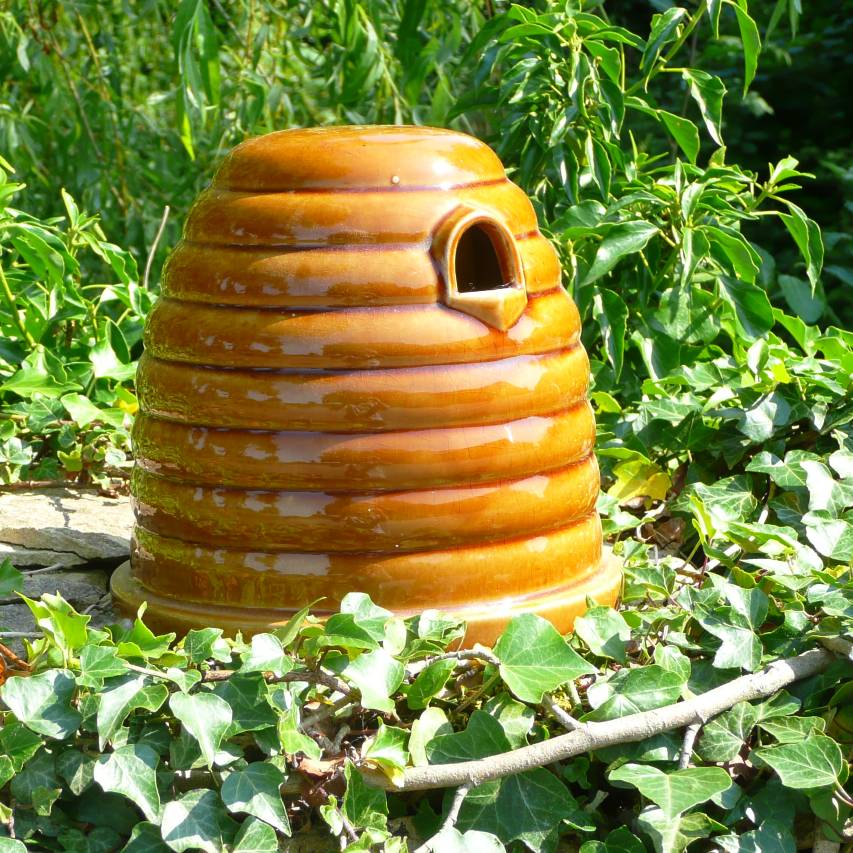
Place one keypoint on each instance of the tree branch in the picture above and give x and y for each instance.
(595, 735)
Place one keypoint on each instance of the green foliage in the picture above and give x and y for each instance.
(196, 754)
(714, 314)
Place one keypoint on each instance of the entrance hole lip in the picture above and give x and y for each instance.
(499, 306)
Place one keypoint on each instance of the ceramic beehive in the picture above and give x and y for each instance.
(364, 374)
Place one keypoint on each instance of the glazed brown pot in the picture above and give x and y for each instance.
(364, 375)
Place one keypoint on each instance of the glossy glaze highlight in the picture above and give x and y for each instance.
(364, 375)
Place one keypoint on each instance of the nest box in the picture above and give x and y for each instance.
(364, 375)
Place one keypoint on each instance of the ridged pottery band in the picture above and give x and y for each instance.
(364, 375)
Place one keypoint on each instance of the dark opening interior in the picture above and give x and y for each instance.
(478, 265)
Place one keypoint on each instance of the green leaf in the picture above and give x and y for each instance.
(431, 724)
(11, 580)
(206, 717)
(255, 791)
(98, 663)
(483, 736)
(674, 791)
(620, 840)
(801, 298)
(605, 632)
(81, 409)
(612, 316)
(131, 771)
(291, 738)
(630, 691)
(145, 838)
(255, 836)
(752, 310)
(377, 676)
(535, 659)
(362, 805)
(387, 749)
(246, 694)
(12, 845)
(723, 737)
(429, 683)
(770, 837)
(674, 835)
(815, 762)
(197, 821)
(825, 492)
(751, 43)
(528, 807)
(122, 695)
(806, 234)
(684, 132)
(266, 655)
(831, 537)
(707, 90)
(451, 840)
(516, 719)
(743, 260)
(59, 620)
(43, 702)
(664, 29)
(18, 743)
(793, 729)
(621, 240)
(200, 645)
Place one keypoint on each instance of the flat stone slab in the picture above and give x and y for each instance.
(66, 527)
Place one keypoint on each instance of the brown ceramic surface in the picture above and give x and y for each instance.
(364, 375)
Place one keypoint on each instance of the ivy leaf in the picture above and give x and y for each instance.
(197, 821)
(740, 648)
(122, 695)
(255, 791)
(831, 537)
(18, 743)
(387, 749)
(246, 694)
(131, 771)
(620, 840)
(205, 643)
(206, 717)
(266, 655)
(43, 702)
(98, 663)
(11, 580)
(528, 807)
(516, 719)
(291, 738)
(675, 791)
(535, 659)
(483, 736)
(815, 762)
(605, 632)
(255, 836)
(145, 838)
(723, 737)
(377, 675)
(451, 840)
(429, 683)
(621, 240)
(12, 845)
(362, 805)
(630, 691)
(770, 837)
(60, 621)
(674, 835)
(433, 723)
